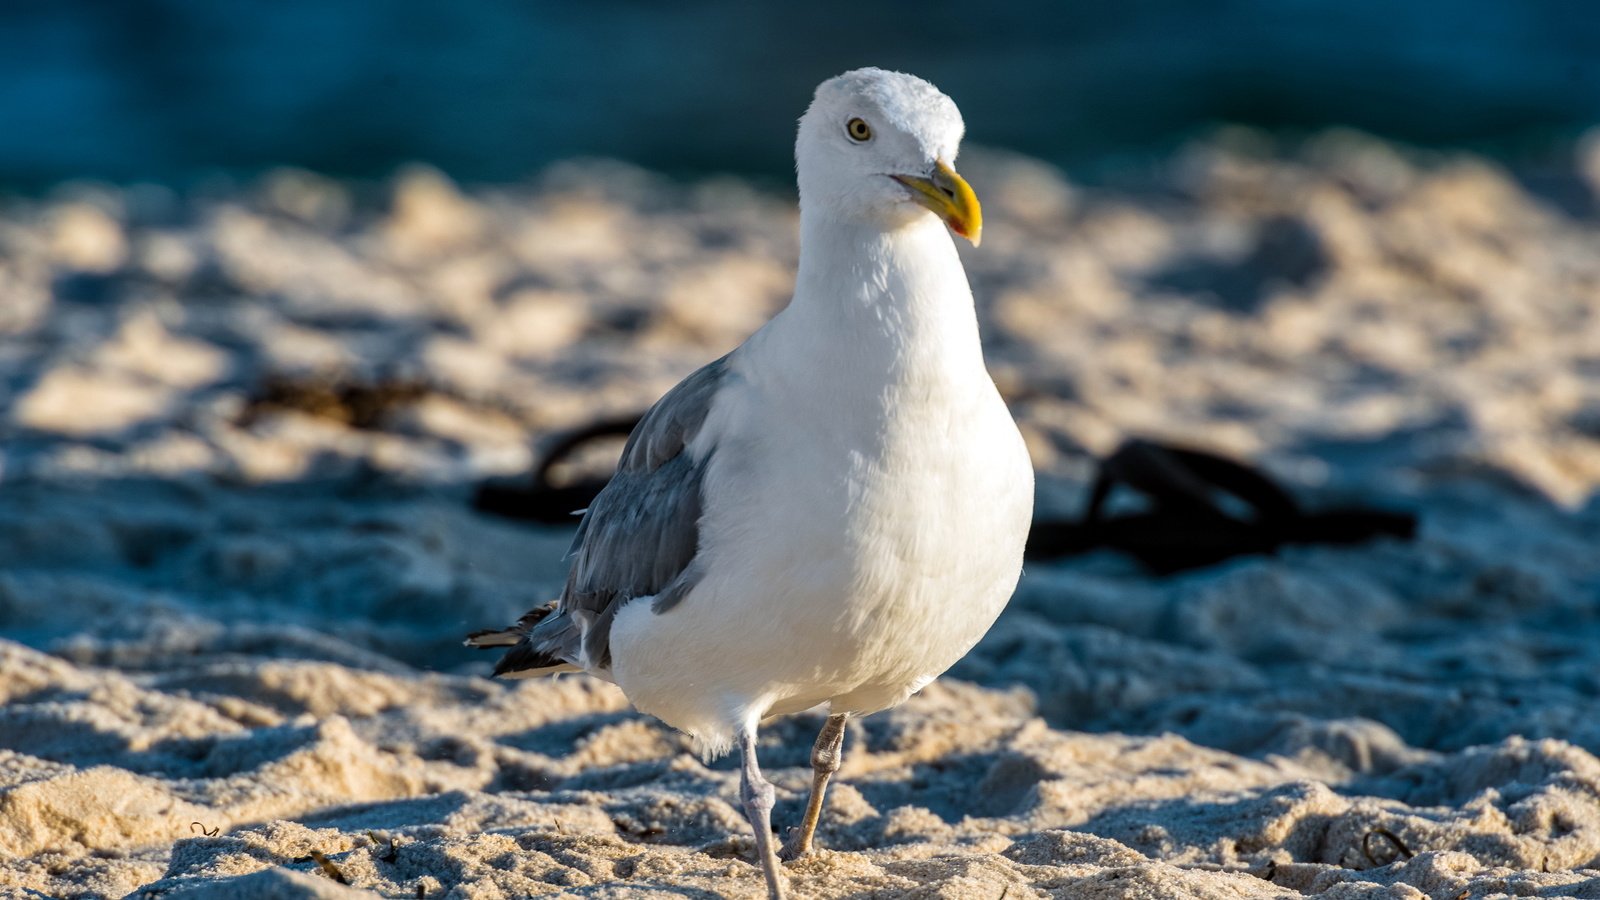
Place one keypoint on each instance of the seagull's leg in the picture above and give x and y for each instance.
(758, 798)
(826, 755)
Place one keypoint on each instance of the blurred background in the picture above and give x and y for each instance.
(491, 90)
(285, 283)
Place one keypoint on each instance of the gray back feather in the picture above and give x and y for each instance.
(640, 535)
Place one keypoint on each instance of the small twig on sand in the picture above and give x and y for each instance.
(208, 832)
(390, 853)
(328, 868)
(1400, 848)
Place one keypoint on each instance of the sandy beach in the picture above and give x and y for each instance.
(242, 425)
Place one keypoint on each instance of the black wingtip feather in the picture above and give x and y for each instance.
(492, 638)
(522, 657)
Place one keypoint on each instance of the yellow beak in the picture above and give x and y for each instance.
(950, 198)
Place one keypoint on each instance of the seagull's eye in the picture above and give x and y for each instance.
(859, 130)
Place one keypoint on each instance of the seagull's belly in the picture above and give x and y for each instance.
(839, 569)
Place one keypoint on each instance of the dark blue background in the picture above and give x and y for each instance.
(492, 89)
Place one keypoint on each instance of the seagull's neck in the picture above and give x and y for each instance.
(873, 305)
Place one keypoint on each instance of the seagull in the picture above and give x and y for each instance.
(834, 512)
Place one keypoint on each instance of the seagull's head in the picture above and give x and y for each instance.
(880, 147)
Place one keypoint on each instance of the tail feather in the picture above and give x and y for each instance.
(529, 654)
(490, 638)
(523, 661)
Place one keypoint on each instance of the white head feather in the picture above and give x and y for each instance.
(913, 127)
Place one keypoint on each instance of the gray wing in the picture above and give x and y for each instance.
(637, 539)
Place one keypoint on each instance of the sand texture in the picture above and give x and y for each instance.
(239, 429)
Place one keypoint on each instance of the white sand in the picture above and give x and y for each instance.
(228, 641)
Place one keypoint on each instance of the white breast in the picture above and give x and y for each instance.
(867, 501)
